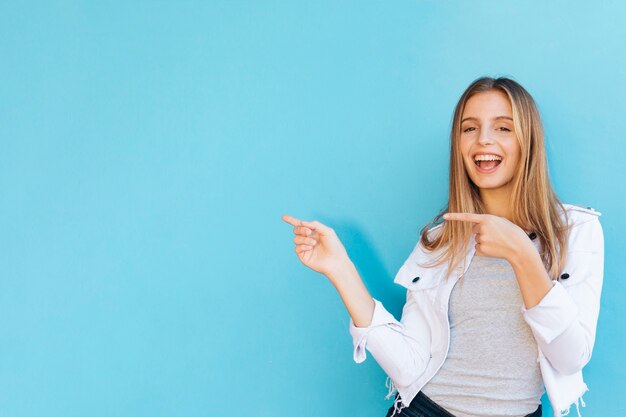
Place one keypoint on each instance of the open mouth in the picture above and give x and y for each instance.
(487, 162)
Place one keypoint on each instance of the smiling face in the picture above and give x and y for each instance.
(488, 143)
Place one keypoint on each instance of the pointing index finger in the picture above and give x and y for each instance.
(464, 217)
(292, 220)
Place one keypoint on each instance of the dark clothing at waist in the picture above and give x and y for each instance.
(422, 406)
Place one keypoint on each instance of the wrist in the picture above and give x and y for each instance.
(342, 270)
(532, 277)
(525, 255)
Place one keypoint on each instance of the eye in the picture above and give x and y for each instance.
(469, 129)
(504, 129)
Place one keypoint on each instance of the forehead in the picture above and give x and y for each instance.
(488, 104)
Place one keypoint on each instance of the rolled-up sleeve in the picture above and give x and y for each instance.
(565, 320)
(398, 346)
(381, 317)
(553, 315)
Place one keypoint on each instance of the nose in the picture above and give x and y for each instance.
(485, 137)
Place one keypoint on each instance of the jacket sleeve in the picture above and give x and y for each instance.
(564, 322)
(394, 344)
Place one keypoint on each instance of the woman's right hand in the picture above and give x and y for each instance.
(318, 246)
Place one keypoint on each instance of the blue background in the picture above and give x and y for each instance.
(148, 150)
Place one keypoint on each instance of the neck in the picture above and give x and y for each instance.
(496, 201)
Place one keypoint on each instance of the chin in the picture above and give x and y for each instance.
(491, 185)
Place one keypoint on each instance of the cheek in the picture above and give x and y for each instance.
(515, 161)
(467, 164)
(464, 147)
(514, 157)
(465, 141)
(513, 150)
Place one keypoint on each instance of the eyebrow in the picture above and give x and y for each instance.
(495, 118)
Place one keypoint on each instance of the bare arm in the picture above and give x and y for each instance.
(498, 237)
(531, 274)
(353, 293)
(319, 248)
(394, 344)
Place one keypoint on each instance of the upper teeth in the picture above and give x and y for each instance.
(487, 158)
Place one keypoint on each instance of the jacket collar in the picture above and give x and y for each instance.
(415, 276)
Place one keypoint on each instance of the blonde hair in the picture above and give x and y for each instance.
(533, 203)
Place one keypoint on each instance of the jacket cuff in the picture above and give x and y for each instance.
(380, 317)
(553, 315)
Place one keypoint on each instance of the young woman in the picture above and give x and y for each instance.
(503, 294)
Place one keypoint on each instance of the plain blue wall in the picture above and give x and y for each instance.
(148, 150)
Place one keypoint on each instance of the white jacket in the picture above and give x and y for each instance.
(412, 350)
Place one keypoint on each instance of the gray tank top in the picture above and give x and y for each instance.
(491, 368)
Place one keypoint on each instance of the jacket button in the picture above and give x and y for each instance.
(532, 235)
(416, 279)
(565, 276)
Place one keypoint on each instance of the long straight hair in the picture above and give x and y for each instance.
(533, 203)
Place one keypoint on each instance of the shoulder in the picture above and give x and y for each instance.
(585, 230)
(414, 274)
(579, 215)
(435, 230)
(419, 251)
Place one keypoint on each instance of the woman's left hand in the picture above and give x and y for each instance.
(496, 236)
